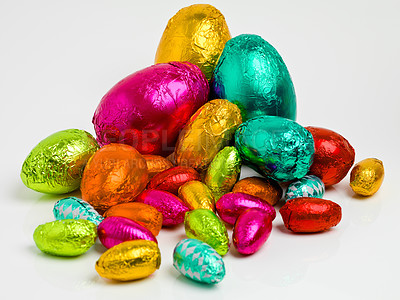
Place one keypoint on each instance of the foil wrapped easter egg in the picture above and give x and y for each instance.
(265, 188)
(75, 208)
(251, 231)
(308, 215)
(367, 176)
(143, 214)
(196, 194)
(276, 147)
(198, 261)
(223, 172)
(156, 164)
(172, 179)
(68, 237)
(147, 109)
(252, 74)
(231, 205)
(207, 132)
(196, 34)
(115, 174)
(204, 225)
(115, 230)
(129, 260)
(308, 186)
(170, 206)
(55, 165)
(333, 157)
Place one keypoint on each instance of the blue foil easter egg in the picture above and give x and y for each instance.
(276, 147)
(308, 186)
(251, 74)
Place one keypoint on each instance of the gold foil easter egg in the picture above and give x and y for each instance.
(196, 195)
(196, 34)
(367, 176)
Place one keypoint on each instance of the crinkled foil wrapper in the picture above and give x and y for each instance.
(196, 34)
(68, 237)
(196, 195)
(156, 164)
(252, 74)
(208, 131)
(129, 260)
(55, 165)
(308, 186)
(276, 147)
(367, 176)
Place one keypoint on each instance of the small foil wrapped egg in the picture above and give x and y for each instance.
(276, 147)
(56, 164)
(308, 186)
(115, 174)
(156, 164)
(147, 109)
(196, 195)
(367, 176)
(196, 34)
(252, 74)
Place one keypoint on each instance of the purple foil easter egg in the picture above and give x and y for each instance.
(170, 206)
(148, 108)
(251, 231)
(115, 230)
(231, 205)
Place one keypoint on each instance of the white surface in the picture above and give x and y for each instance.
(57, 59)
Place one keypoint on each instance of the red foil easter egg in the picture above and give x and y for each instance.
(171, 180)
(333, 156)
(148, 108)
(307, 214)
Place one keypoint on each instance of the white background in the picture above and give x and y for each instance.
(57, 59)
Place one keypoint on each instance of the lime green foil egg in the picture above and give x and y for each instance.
(67, 237)
(56, 164)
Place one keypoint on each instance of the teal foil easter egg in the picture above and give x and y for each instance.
(308, 186)
(276, 147)
(75, 208)
(251, 74)
(198, 261)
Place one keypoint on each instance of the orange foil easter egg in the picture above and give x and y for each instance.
(115, 174)
(156, 164)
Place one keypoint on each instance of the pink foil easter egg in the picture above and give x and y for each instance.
(170, 206)
(251, 231)
(148, 108)
(231, 205)
(115, 230)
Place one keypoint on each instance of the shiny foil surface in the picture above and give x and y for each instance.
(265, 188)
(204, 225)
(196, 194)
(308, 186)
(252, 74)
(170, 206)
(65, 237)
(75, 208)
(172, 179)
(143, 214)
(333, 157)
(130, 260)
(207, 132)
(231, 205)
(198, 261)
(367, 176)
(276, 147)
(308, 215)
(115, 230)
(156, 164)
(251, 231)
(56, 164)
(115, 174)
(196, 34)
(147, 109)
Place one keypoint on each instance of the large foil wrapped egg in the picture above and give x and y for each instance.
(147, 109)
(252, 74)
(56, 164)
(276, 147)
(115, 174)
(196, 34)
(367, 176)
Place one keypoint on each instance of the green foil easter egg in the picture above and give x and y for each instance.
(276, 147)
(56, 164)
(251, 74)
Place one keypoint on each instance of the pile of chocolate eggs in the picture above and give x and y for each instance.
(170, 143)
